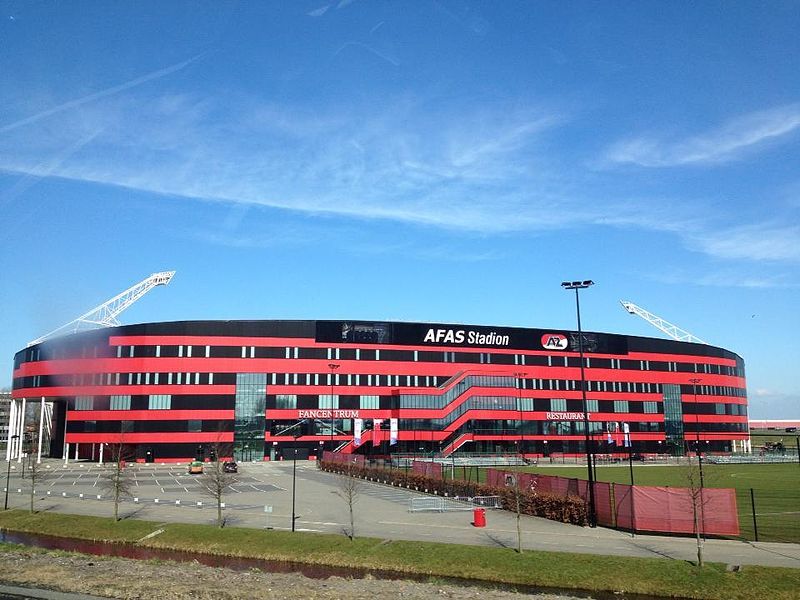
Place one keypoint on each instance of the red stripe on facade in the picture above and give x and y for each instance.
(149, 415)
(161, 437)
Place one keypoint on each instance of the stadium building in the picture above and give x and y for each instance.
(175, 391)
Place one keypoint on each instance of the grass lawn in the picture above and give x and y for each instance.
(661, 577)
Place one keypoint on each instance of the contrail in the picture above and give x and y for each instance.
(44, 169)
(102, 94)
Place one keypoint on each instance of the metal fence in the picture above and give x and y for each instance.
(769, 515)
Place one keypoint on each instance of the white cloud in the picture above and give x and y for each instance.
(723, 144)
(759, 242)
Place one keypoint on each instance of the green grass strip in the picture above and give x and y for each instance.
(659, 577)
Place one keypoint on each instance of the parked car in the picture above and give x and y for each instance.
(230, 467)
(195, 468)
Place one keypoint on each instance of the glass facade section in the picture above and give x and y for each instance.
(160, 402)
(249, 422)
(84, 402)
(673, 418)
(120, 402)
(369, 402)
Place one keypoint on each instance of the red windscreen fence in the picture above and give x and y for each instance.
(673, 510)
(428, 469)
(640, 508)
(340, 458)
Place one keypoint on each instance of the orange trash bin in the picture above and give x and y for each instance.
(479, 517)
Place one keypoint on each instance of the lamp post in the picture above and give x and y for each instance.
(520, 450)
(579, 285)
(8, 471)
(694, 381)
(332, 367)
(296, 435)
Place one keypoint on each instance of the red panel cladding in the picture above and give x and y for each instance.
(160, 437)
(148, 415)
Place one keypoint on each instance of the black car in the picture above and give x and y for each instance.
(230, 467)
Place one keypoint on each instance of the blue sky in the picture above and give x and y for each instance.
(443, 161)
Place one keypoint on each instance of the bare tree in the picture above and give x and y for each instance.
(35, 472)
(216, 480)
(513, 481)
(117, 481)
(349, 488)
(695, 486)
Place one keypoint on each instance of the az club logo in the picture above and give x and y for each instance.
(554, 341)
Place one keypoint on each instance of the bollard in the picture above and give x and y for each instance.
(156, 500)
(479, 517)
(177, 502)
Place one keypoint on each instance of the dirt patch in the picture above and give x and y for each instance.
(133, 579)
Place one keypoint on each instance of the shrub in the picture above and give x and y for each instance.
(566, 509)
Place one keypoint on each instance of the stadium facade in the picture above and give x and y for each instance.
(175, 391)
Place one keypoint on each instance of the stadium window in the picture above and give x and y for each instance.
(210, 379)
(130, 352)
(244, 352)
(194, 426)
(650, 407)
(369, 402)
(84, 402)
(358, 353)
(592, 406)
(159, 402)
(169, 378)
(621, 406)
(119, 351)
(180, 351)
(328, 401)
(120, 402)
(286, 401)
(558, 404)
(188, 352)
(378, 354)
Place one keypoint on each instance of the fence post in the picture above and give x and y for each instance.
(753, 506)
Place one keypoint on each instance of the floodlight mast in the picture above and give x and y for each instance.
(673, 331)
(106, 314)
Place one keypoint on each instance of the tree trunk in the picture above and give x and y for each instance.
(352, 522)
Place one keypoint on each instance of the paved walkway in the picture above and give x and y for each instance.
(382, 512)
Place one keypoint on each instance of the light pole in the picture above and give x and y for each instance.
(579, 285)
(520, 450)
(694, 381)
(332, 367)
(8, 471)
(296, 434)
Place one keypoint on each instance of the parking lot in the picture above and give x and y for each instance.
(260, 496)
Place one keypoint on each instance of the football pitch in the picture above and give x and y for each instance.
(775, 490)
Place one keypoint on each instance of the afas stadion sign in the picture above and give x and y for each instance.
(386, 333)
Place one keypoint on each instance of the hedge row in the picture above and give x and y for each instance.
(566, 509)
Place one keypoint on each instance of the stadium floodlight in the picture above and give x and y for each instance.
(580, 285)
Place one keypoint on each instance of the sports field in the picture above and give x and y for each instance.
(776, 490)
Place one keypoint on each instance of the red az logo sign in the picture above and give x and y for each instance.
(554, 341)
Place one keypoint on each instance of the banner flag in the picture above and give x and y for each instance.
(617, 434)
(358, 426)
(376, 431)
(627, 430)
(609, 425)
(392, 432)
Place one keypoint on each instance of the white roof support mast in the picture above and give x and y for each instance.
(673, 331)
(106, 314)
